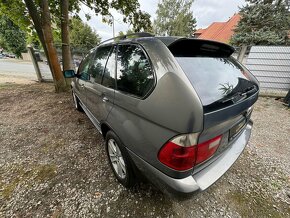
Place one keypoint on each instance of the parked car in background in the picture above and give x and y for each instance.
(11, 56)
(175, 109)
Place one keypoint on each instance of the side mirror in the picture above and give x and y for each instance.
(69, 74)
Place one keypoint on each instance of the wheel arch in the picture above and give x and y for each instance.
(105, 128)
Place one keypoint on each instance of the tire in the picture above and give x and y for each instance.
(119, 160)
(77, 102)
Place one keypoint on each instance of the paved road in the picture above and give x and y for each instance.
(24, 69)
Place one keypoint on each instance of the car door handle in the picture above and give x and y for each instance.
(82, 86)
(105, 99)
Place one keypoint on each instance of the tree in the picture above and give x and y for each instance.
(82, 37)
(42, 13)
(121, 33)
(174, 18)
(262, 23)
(65, 36)
(11, 37)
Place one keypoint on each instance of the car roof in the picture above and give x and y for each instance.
(141, 36)
(172, 42)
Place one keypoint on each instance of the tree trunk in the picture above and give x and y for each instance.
(60, 84)
(66, 52)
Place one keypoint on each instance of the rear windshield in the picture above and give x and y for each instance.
(214, 78)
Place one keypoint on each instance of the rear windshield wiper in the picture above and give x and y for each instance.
(240, 95)
(249, 90)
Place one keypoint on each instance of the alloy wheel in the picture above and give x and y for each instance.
(117, 159)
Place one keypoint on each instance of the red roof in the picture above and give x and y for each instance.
(219, 31)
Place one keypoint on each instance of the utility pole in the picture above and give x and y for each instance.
(113, 25)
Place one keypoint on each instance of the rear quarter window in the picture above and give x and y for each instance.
(134, 73)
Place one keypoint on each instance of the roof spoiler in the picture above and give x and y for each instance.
(186, 47)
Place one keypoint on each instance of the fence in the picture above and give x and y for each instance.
(271, 66)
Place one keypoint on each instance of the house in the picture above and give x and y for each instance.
(219, 31)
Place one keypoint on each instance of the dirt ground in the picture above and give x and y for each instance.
(53, 164)
(6, 79)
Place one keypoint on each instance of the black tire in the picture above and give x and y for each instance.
(77, 102)
(129, 179)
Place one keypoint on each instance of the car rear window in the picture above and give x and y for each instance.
(214, 78)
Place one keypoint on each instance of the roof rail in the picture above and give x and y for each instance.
(118, 38)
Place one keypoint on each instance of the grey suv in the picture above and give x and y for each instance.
(175, 109)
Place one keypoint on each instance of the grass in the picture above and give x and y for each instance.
(250, 206)
(40, 174)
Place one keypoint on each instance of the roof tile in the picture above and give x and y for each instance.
(220, 31)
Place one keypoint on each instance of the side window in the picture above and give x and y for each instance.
(84, 67)
(109, 73)
(134, 74)
(99, 63)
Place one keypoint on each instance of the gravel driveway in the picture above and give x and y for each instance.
(53, 164)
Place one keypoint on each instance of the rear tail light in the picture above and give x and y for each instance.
(206, 149)
(183, 152)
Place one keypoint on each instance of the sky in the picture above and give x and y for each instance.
(205, 12)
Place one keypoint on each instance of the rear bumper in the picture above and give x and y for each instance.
(204, 178)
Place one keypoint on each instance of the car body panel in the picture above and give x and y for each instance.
(100, 100)
(80, 89)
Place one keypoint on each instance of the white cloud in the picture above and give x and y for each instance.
(208, 11)
(205, 11)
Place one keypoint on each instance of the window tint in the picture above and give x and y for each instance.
(84, 67)
(109, 73)
(134, 74)
(99, 63)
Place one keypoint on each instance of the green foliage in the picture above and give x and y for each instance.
(16, 11)
(82, 37)
(3, 43)
(121, 33)
(11, 37)
(140, 20)
(175, 18)
(262, 24)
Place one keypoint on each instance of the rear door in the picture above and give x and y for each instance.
(100, 88)
(83, 77)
